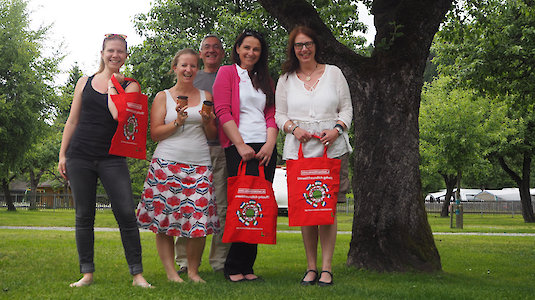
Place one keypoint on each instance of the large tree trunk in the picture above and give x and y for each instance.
(7, 195)
(390, 227)
(450, 181)
(523, 185)
(34, 183)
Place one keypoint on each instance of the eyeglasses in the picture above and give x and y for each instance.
(299, 46)
(214, 46)
(113, 35)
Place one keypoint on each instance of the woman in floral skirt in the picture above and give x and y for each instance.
(177, 199)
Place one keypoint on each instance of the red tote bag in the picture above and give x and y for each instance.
(130, 139)
(252, 209)
(313, 185)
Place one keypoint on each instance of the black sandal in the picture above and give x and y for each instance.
(324, 283)
(311, 282)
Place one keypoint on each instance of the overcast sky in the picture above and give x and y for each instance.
(81, 25)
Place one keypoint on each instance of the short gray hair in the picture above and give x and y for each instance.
(210, 36)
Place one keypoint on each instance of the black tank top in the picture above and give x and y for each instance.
(96, 126)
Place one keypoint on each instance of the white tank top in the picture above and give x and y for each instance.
(188, 144)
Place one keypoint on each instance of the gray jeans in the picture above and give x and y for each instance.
(115, 177)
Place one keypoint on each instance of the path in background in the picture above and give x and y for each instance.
(279, 231)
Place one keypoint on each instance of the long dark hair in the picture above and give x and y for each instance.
(260, 73)
(292, 63)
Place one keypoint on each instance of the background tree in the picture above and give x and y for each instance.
(488, 46)
(26, 87)
(452, 132)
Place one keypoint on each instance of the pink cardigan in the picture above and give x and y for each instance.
(226, 93)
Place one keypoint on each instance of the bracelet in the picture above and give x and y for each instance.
(339, 128)
(294, 128)
(289, 128)
(175, 123)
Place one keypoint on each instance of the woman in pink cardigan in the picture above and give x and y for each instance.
(245, 106)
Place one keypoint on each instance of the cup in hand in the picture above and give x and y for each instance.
(208, 106)
(182, 101)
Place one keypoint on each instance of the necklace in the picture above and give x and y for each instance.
(307, 78)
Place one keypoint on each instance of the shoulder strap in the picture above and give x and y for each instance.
(119, 88)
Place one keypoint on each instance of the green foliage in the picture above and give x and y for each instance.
(28, 97)
(452, 135)
(490, 46)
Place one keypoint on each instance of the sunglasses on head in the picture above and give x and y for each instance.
(113, 35)
(254, 33)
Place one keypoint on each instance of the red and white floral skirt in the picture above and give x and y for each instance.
(178, 200)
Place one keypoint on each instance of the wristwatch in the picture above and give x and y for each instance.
(339, 128)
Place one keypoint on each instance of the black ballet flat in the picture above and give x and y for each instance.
(324, 283)
(311, 282)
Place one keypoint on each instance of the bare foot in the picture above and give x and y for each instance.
(139, 280)
(175, 278)
(196, 278)
(86, 280)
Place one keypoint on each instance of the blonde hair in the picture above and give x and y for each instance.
(174, 62)
(106, 39)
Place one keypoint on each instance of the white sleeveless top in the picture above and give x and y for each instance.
(188, 145)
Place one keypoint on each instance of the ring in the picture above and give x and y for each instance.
(327, 144)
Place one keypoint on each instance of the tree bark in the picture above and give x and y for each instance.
(7, 195)
(523, 185)
(34, 183)
(390, 227)
(450, 181)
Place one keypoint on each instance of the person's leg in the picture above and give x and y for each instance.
(115, 178)
(249, 253)
(327, 234)
(310, 241)
(194, 250)
(218, 249)
(180, 253)
(166, 250)
(83, 182)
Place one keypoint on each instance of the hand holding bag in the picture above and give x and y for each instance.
(130, 139)
(313, 185)
(252, 209)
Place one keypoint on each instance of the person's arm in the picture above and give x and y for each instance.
(131, 88)
(345, 106)
(208, 121)
(70, 125)
(265, 153)
(281, 104)
(158, 129)
(222, 89)
(231, 130)
(345, 109)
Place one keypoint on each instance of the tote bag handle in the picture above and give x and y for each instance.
(118, 86)
(243, 165)
(300, 154)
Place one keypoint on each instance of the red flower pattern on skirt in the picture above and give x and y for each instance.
(187, 209)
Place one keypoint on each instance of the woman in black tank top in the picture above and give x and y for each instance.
(83, 158)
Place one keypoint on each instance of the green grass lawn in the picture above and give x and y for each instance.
(104, 218)
(41, 264)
